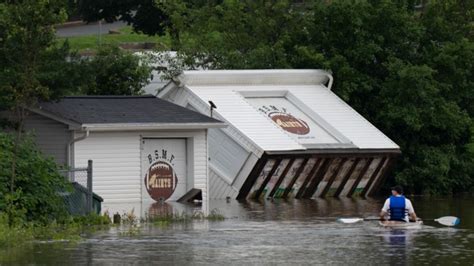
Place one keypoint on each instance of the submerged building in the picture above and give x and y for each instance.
(287, 136)
(144, 150)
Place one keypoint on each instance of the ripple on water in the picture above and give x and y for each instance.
(294, 232)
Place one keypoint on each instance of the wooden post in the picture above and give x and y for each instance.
(311, 173)
(359, 178)
(318, 177)
(250, 181)
(282, 176)
(89, 187)
(378, 183)
(293, 181)
(267, 178)
(374, 176)
(346, 177)
(332, 178)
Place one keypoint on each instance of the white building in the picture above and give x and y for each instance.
(288, 134)
(143, 149)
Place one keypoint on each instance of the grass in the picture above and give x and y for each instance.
(71, 230)
(132, 224)
(169, 218)
(75, 228)
(91, 42)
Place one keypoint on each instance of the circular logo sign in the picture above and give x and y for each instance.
(290, 123)
(160, 181)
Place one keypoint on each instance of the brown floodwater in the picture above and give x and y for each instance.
(298, 232)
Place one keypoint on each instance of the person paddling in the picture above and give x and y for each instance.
(398, 208)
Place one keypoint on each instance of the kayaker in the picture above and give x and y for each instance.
(397, 207)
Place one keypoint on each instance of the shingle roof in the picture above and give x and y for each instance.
(122, 109)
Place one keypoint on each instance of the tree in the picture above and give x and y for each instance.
(407, 71)
(113, 71)
(151, 17)
(26, 34)
(146, 16)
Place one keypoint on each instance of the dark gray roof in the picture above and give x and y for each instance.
(122, 109)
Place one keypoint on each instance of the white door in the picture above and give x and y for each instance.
(163, 169)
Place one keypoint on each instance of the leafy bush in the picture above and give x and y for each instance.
(35, 190)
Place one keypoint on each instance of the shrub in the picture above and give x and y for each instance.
(35, 195)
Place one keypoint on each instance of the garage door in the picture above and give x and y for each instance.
(163, 169)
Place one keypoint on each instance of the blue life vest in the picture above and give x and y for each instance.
(397, 208)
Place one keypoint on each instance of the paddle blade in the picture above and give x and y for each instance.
(349, 220)
(448, 220)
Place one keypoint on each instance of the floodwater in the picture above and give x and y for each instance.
(297, 232)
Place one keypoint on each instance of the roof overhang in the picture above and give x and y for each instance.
(150, 126)
(72, 124)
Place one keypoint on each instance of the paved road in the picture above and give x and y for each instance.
(88, 29)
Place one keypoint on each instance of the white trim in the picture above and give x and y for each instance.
(331, 146)
(317, 118)
(151, 126)
(165, 89)
(255, 77)
(331, 80)
(208, 190)
(266, 93)
(221, 174)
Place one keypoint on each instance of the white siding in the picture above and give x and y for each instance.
(225, 154)
(219, 189)
(117, 165)
(116, 169)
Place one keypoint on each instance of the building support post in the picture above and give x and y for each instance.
(89, 187)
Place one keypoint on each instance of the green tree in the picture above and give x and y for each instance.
(26, 34)
(408, 71)
(152, 17)
(146, 16)
(113, 71)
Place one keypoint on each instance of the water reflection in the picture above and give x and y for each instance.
(399, 243)
(271, 232)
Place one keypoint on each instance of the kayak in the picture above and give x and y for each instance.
(401, 225)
